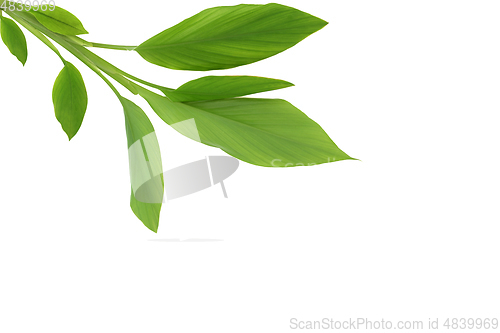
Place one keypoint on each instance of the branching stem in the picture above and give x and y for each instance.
(78, 47)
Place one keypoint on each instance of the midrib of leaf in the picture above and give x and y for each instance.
(129, 125)
(209, 39)
(42, 13)
(259, 129)
(240, 123)
(187, 92)
(70, 89)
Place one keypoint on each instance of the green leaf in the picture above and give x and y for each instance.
(219, 87)
(70, 99)
(146, 173)
(14, 39)
(229, 36)
(265, 132)
(60, 21)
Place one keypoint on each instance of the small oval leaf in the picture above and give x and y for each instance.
(59, 20)
(70, 99)
(229, 36)
(14, 39)
(219, 87)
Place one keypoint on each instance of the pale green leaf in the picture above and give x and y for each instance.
(265, 132)
(145, 166)
(229, 36)
(14, 39)
(219, 87)
(60, 21)
(70, 99)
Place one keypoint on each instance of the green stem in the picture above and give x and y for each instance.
(149, 84)
(83, 42)
(123, 73)
(94, 62)
(68, 46)
(113, 47)
(40, 36)
(79, 44)
(92, 66)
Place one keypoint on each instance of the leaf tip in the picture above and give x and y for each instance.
(69, 134)
(322, 23)
(347, 157)
(151, 226)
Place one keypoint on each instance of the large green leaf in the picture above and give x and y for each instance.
(219, 87)
(59, 20)
(14, 39)
(146, 175)
(265, 132)
(229, 36)
(70, 99)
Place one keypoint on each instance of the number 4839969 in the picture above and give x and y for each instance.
(28, 5)
(471, 323)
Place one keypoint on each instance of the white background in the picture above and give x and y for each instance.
(410, 232)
